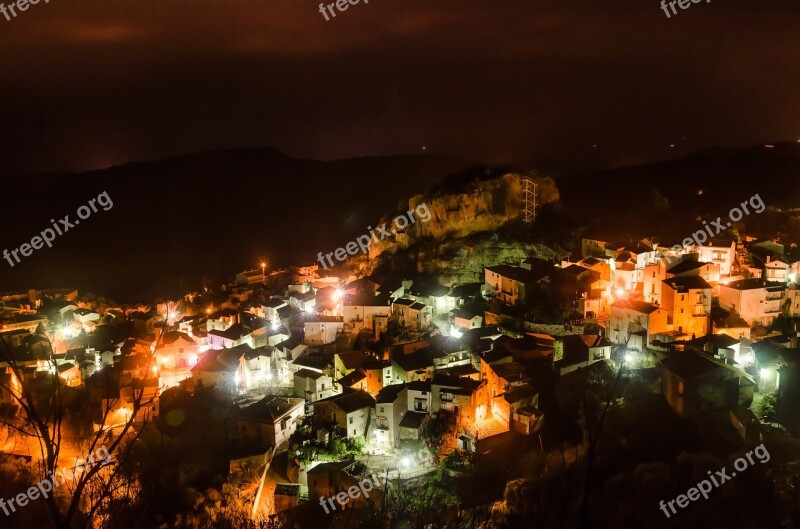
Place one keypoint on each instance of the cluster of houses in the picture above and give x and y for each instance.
(702, 312)
(375, 358)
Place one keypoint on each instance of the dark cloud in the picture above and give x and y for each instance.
(97, 82)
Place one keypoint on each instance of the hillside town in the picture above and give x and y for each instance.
(327, 378)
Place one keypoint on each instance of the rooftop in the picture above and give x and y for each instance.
(686, 283)
(270, 409)
(692, 364)
(351, 400)
(752, 284)
(389, 394)
(521, 275)
(636, 306)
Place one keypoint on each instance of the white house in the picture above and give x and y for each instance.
(419, 396)
(259, 365)
(84, 316)
(234, 335)
(271, 307)
(313, 385)
(348, 411)
(629, 318)
(412, 314)
(718, 251)
(756, 300)
(250, 277)
(390, 406)
(320, 330)
(305, 301)
(776, 270)
(367, 312)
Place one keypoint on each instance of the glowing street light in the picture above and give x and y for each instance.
(338, 294)
(620, 292)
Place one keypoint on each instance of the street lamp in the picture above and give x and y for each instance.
(628, 358)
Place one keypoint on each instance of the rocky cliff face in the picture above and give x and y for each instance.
(481, 207)
(449, 242)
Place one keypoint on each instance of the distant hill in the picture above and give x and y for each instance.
(212, 214)
(709, 183)
(215, 213)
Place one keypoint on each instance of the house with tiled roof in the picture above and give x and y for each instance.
(512, 284)
(635, 323)
(313, 385)
(687, 300)
(236, 334)
(327, 480)
(456, 394)
(348, 411)
(694, 383)
(417, 365)
(348, 361)
(757, 301)
(356, 379)
(365, 311)
(270, 421)
(467, 317)
(321, 330)
(250, 277)
(391, 406)
(692, 267)
(212, 372)
(412, 314)
(580, 350)
(721, 252)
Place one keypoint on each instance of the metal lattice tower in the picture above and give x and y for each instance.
(529, 194)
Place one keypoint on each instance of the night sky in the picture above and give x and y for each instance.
(90, 83)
